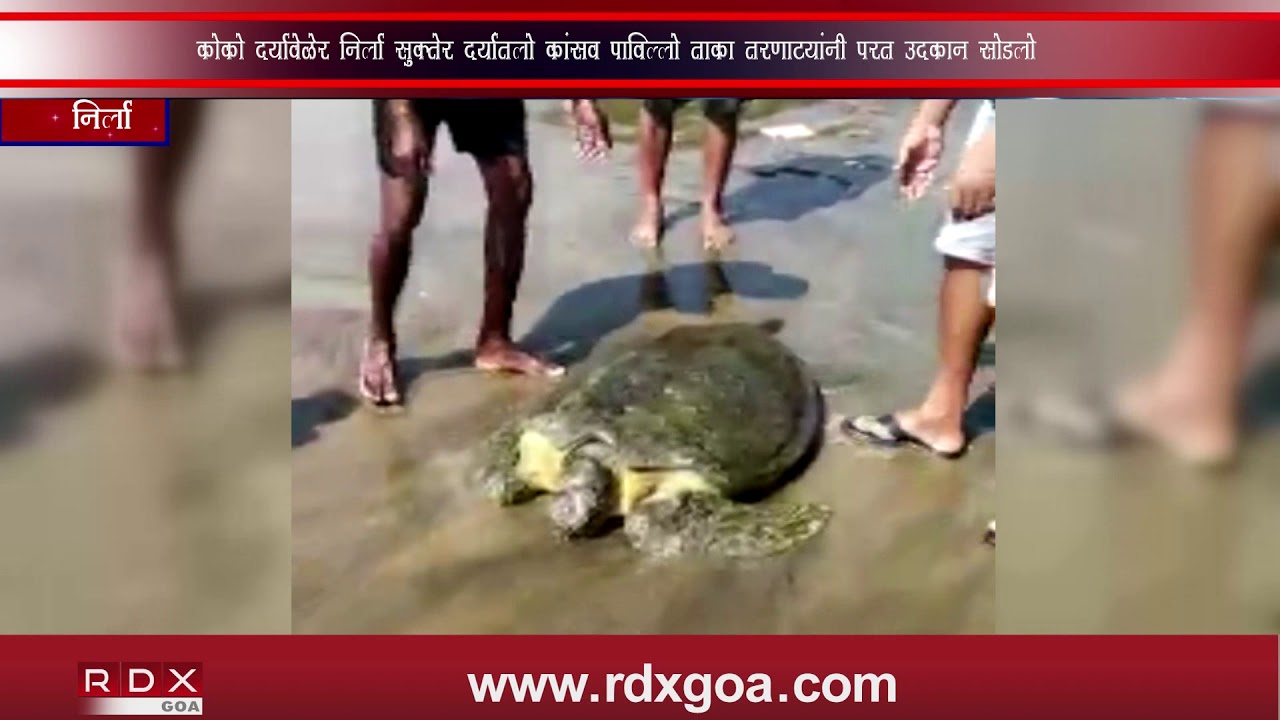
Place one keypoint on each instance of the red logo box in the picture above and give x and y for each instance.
(84, 121)
(99, 679)
(183, 679)
(141, 679)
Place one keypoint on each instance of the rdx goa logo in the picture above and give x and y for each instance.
(141, 688)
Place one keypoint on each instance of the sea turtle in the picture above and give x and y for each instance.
(668, 433)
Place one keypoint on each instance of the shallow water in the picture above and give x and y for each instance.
(388, 537)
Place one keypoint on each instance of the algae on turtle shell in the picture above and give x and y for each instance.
(669, 434)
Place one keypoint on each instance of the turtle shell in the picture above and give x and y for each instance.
(729, 402)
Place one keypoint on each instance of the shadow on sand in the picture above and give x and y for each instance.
(307, 414)
(570, 329)
(50, 377)
(980, 416)
(795, 187)
(1262, 396)
(42, 380)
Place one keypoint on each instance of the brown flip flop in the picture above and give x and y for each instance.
(378, 401)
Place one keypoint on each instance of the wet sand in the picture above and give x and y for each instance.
(389, 538)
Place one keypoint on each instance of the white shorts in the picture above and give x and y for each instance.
(974, 240)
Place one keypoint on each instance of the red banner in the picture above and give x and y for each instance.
(795, 53)
(84, 121)
(625, 677)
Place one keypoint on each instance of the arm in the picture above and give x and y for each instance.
(921, 147)
(973, 191)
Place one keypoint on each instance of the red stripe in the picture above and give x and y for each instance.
(605, 84)
(635, 16)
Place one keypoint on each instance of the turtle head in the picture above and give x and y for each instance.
(588, 499)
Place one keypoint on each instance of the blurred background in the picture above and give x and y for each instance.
(1132, 231)
(131, 500)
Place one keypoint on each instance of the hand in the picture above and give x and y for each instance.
(918, 158)
(591, 127)
(410, 157)
(973, 189)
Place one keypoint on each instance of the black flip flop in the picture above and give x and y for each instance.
(890, 433)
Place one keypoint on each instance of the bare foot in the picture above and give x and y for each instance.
(1184, 425)
(505, 357)
(648, 231)
(147, 337)
(379, 384)
(716, 233)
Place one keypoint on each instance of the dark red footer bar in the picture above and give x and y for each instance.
(459, 677)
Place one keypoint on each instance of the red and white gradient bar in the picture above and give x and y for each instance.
(142, 706)
(403, 6)
(59, 49)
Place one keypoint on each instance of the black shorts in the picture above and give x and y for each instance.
(486, 128)
(717, 109)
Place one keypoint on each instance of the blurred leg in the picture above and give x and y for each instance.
(401, 204)
(657, 118)
(1191, 403)
(149, 333)
(721, 140)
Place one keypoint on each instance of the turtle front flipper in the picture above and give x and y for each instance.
(706, 523)
(497, 475)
